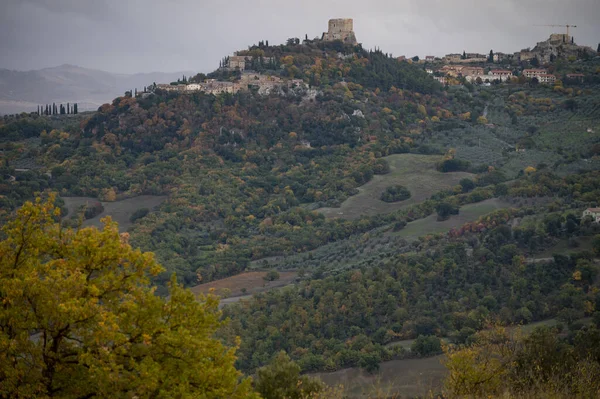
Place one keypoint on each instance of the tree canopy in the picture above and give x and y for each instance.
(79, 319)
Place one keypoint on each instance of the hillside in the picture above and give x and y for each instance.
(23, 91)
(228, 188)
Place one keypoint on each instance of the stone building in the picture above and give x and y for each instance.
(236, 62)
(340, 29)
(534, 73)
(593, 213)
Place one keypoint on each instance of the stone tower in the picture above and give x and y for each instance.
(340, 29)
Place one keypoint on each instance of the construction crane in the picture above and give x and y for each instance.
(561, 26)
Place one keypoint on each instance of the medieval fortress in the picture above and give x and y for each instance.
(340, 29)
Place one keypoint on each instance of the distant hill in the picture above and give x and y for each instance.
(24, 90)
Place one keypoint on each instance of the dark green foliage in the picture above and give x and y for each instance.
(453, 165)
(281, 379)
(93, 210)
(18, 128)
(426, 345)
(445, 210)
(467, 185)
(395, 194)
(272, 275)
(140, 213)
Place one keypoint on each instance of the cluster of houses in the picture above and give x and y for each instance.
(474, 74)
(265, 84)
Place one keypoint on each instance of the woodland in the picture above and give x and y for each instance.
(245, 175)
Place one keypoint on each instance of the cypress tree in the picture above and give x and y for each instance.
(68, 109)
(598, 48)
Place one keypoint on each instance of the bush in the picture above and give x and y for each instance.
(426, 345)
(140, 213)
(399, 225)
(467, 185)
(444, 210)
(272, 275)
(453, 165)
(93, 210)
(395, 194)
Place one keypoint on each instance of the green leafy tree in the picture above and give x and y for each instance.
(426, 345)
(80, 320)
(282, 379)
(596, 244)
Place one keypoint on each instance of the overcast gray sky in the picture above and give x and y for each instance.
(171, 35)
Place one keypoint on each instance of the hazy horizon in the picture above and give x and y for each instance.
(135, 36)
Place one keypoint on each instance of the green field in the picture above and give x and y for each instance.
(120, 211)
(415, 172)
(408, 378)
(468, 213)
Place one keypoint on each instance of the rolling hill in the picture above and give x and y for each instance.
(22, 91)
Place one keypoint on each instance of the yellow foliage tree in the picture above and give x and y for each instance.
(479, 370)
(79, 319)
(529, 170)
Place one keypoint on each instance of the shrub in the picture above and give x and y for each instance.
(395, 194)
(444, 210)
(453, 165)
(272, 275)
(140, 213)
(93, 210)
(426, 345)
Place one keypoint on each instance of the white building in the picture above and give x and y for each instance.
(546, 78)
(594, 213)
(534, 73)
(502, 74)
(194, 87)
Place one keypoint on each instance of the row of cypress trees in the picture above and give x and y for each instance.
(57, 110)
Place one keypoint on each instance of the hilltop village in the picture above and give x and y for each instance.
(242, 68)
(252, 70)
(497, 67)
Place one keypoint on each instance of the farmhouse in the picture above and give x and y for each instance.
(501, 73)
(472, 71)
(594, 213)
(546, 78)
(533, 73)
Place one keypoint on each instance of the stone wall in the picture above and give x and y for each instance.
(341, 29)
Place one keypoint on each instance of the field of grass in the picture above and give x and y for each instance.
(245, 284)
(415, 172)
(120, 211)
(408, 378)
(468, 213)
